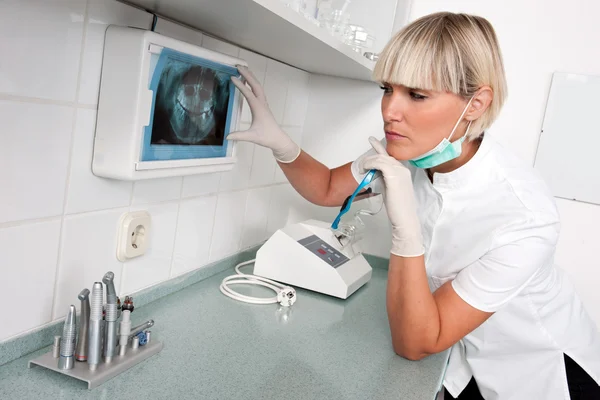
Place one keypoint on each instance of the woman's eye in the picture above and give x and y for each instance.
(386, 89)
(417, 96)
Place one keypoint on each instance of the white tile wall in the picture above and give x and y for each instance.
(28, 260)
(276, 86)
(239, 176)
(87, 252)
(41, 39)
(52, 200)
(257, 64)
(102, 13)
(88, 192)
(34, 159)
(255, 225)
(199, 185)
(194, 234)
(229, 222)
(156, 190)
(296, 102)
(279, 207)
(263, 167)
(341, 116)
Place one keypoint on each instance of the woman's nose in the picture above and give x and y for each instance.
(392, 108)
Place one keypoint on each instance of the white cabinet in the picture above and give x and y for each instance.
(271, 28)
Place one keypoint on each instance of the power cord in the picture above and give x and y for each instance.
(286, 296)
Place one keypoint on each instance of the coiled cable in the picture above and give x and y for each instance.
(285, 295)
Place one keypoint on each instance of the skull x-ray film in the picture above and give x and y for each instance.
(192, 108)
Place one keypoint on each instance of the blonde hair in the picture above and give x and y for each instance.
(456, 53)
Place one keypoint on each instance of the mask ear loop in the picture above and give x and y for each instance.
(467, 131)
(460, 119)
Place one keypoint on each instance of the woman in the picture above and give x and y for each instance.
(474, 229)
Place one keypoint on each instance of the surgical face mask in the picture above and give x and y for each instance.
(445, 150)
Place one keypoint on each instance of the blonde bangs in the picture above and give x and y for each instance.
(422, 57)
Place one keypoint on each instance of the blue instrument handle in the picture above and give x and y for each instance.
(346, 206)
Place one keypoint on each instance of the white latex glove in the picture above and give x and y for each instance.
(264, 130)
(399, 201)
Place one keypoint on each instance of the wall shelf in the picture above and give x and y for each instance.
(267, 27)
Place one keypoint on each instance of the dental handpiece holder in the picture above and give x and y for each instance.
(103, 371)
(309, 255)
(99, 361)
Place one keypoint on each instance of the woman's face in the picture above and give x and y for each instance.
(415, 121)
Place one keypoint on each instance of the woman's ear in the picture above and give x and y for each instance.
(481, 101)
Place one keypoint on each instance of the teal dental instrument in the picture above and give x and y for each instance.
(369, 177)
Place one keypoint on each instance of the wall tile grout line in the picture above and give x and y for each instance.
(44, 101)
(285, 101)
(12, 224)
(69, 164)
(212, 231)
(239, 243)
(179, 201)
(264, 77)
(21, 222)
(36, 100)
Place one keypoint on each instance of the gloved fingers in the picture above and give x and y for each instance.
(379, 148)
(246, 91)
(390, 167)
(243, 136)
(252, 81)
(383, 163)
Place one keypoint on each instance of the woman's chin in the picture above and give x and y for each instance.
(400, 153)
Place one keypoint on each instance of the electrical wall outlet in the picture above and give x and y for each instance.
(134, 235)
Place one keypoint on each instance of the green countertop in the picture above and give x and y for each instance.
(218, 348)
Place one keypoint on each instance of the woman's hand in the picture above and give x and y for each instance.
(399, 201)
(264, 130)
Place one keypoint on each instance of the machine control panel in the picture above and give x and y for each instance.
(324, 251)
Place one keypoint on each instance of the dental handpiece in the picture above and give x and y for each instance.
(84, 323)
(124, 331)
(67, 342)
(56, 346)
(95, 328)
(141, 327)
(110, 338)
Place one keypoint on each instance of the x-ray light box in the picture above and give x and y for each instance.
(165, 107)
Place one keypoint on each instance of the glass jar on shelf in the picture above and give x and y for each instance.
(333, 19)
(358, 38)
(335, 22)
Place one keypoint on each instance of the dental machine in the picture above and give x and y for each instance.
(312, 255)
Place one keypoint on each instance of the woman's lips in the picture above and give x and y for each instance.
(393, 136)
